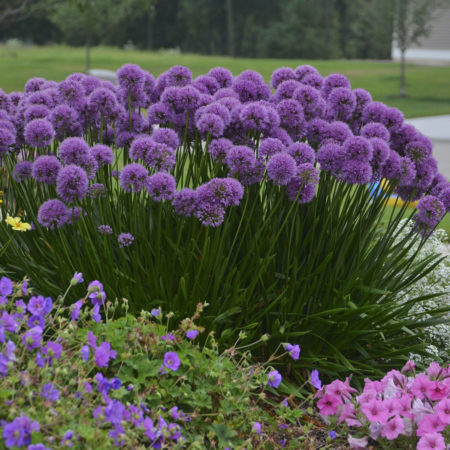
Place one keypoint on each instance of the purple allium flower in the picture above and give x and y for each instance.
(42, 98)
(341, 103)
(293, 350)
(171, 361)
(219, 110)
(302, 187)
(179, 76)
(210, 124)
(49, 392)
(34, 84)
(355, 171)
(71, 92)
(302, 153)
(375, 130)
(286, 90)
(302, 71)
(309, 98)
(102, 154)
(103, 354)
(96, 190)
(159, 113)
(444, 196)
(40, 305)
(270, 146)
(317, 131)
(218, 148)
(104, 229)
(375, 112)
(419, 150)
(315, 380)
(192, 334)
(291, 116)
(206, 84)
(72, 183)
(65, 121)
(184, 202)
(339, 132)
(407, 171)
(274, 378)
(53, 213)
(282, 74)
(39, 133)
(256, 428)
(210, 215)
(335, 80)
(380, 151)
(281, 168)
(36, 112)
(133, 177)
(220, 191)
(125, 239)
(430, 212)
(22, 170)
(131, 76)
(393, 119)
(32, 338)
(166, 136)
(103, 102)
(73, 150)
(358, 148)
(222, 75)
(314, 80)
(7, 139)
(45, 169)
(161, 186)
(226, 93)
(246, 89)
(240, 159)
(18, 432)
(75, 310)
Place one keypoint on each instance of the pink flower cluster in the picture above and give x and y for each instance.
(406, 405)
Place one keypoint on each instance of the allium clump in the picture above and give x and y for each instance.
(39, 133)
(72, 183)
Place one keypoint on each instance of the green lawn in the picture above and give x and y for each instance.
(428, 87)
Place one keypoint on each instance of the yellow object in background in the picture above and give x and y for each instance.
(17, 224)
(394, 200)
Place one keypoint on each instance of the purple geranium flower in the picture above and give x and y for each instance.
(49, 392)
(32, 338)
(192, 334)
(103, 354)
(171, 361)
(18, 432)
(293, 350)
(315, 380)
(274, 378)
(40, 306)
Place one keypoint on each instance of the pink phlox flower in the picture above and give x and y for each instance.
(404, 405)
(328, 404)
(397, 378)
(434, 370)
(375, 411)
(442, 409)
(433, 441)
(377, 386)
(393, 428)
(392, 406)
(367, 396)
(357, 443)
(420, 386)
(410, 366)
(430, 423)
(436, 391)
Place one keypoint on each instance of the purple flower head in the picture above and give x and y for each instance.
(393, 119)
(220, 191)
(36, 112)
(125, 239)
(380, 151)
(358, 148)
(430, 212)
(286, 90)
(270, 146)
(5, 286)
(363, 98)
(246, 89)
(240, 159)
(49, 392)
(210, 215)
(65, 121)
(206, 84)
(419, 150)
(375, 130)
(36, 321)
(41, 98)
(96, 293)
(45, 169)
(226, 93)
(302, 187)
(219, 110)
(52, 350)
(96, 190)
(302, 71)
(156, 312)
(75, 310)
(103, 102)
(171, 361)
(179, 76)
(18, 432)
(133, 177)
(72, 93)
(7, 139)
(315, 380)
(39, 133)
(314, 80)
(22, 170)
(8, 323)
(102, 154)
(375, 112)
(74, 150)
(72, 183)
(218, 148)
(317, 131)
(174, 99)
(210, 124)
(40, 305)
(339, 132)
(355, 171)
(333, 81)
(53, 213)
(32, 338)
(184, 202)
(309, 99)
(159, 113)
(256, 428)
(104, 229)
(34, 84)
(281, 168)
(291, 116)
(166, 136)
(282, 74)
(341, 103)
(103, 354)
(192, 334)
(274, 378)
(293, 350)
(131, 77)
(161, 186)
(222, 75)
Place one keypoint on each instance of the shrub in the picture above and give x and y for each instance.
(215, 196)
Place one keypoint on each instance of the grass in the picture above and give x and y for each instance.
(428, 87)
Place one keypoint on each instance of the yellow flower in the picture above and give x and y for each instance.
(17, 224)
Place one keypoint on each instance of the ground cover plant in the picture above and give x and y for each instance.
(213, 194)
